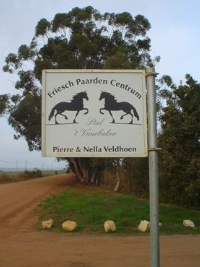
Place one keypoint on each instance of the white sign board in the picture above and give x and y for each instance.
(94, 113)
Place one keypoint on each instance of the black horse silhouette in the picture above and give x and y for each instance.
(76, 104)
(112, 104)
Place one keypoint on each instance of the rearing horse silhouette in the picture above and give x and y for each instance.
(111, 104)
(76, 104)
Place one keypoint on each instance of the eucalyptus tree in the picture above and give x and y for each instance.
(80, 39)
(4, 99)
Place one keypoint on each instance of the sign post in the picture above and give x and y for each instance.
(153, 169)
(102, 113)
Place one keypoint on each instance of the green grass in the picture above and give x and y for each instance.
(90, 208)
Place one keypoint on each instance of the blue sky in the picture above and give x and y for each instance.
(174, 34)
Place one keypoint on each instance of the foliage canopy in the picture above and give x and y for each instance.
(180, 142)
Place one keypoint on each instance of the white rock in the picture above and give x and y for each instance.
(109, 226)
(69, 226)
(188, 223)
(144, 226)
(47, 224)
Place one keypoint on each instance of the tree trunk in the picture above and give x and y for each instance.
(77, 169)
(84, 171)
(118, 182)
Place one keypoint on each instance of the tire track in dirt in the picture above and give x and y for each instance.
(18, 200)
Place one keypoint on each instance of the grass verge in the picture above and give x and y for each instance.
(91, 207)
(11, 177)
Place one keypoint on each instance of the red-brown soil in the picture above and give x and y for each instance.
(22, 245)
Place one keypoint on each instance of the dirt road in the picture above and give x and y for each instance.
(21, 245)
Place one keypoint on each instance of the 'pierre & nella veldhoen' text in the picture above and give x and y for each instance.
(108, 149)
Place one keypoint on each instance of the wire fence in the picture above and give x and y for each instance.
(17, 166)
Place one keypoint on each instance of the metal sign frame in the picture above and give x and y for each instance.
(94, 113)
